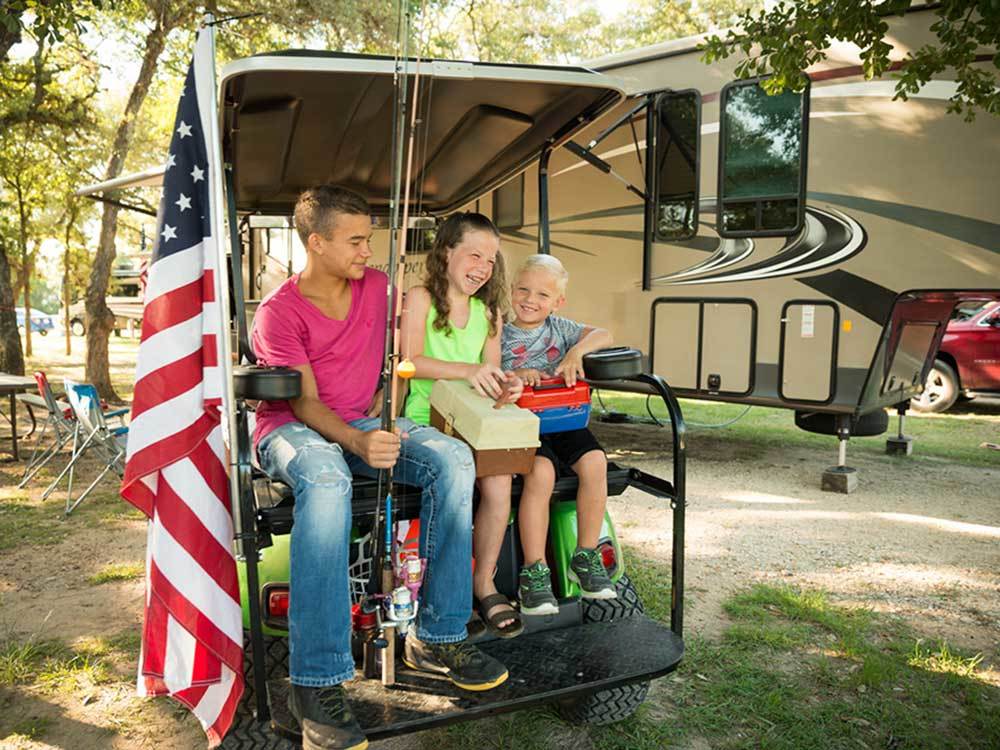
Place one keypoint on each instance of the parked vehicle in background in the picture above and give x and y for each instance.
(968, 362)
(125, 302)
(41, 322)
(124, 308)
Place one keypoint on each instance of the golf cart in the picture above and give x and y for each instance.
(295, 119)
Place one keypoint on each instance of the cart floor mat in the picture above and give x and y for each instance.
(544, 667)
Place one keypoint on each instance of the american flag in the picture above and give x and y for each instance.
(175, 469)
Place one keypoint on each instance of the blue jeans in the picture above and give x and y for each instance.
(320, 472)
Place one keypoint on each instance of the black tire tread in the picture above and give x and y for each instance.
(246, 732)
(618, 703)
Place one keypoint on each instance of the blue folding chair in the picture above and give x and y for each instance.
(92, 436)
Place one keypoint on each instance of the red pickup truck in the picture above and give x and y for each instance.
(968, 362)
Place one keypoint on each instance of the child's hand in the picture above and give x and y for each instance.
(515, 387)
(486, 379)
(571, 368)
(530, 376)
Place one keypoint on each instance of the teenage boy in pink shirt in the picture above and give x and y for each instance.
(328, 322)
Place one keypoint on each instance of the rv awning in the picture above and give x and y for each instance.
(147, 178)
(298, 119)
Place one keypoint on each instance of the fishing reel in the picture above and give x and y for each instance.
(402, 605)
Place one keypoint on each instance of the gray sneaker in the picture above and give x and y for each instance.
(535, 590)
(587, 569)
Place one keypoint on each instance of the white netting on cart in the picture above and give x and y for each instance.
(360, 568)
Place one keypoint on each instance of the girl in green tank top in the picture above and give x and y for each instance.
(451, 329)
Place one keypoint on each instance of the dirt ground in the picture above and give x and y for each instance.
(920, 538)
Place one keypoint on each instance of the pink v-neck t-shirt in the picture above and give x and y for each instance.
(345, 355)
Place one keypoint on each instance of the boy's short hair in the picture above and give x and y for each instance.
(317, 208)
(548, 263)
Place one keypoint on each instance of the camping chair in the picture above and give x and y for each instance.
(59, 419)
(91, 435)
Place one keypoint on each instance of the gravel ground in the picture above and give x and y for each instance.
(920, 538)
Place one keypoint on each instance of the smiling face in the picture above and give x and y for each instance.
(534, 296)
(345, 251)
(471, 261)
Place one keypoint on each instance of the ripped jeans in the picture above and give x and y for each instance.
(319, 472)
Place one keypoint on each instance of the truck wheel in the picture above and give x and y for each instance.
(940, 389)
(614, 704)
(246, 732)
(76, 327)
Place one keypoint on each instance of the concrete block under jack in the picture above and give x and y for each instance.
(899, 446)
(842, 479)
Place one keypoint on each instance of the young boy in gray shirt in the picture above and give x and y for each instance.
(539, 344)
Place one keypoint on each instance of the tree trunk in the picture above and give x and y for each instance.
(11, 357)
(100, 319)
(74, 211)
(25, 266)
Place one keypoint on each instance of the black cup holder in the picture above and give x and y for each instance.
(258, 383)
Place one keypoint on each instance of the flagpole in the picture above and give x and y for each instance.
(222, 286)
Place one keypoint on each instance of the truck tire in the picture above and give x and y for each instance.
(941, 390)
(246, 732)
(614, 704)
(76, 327)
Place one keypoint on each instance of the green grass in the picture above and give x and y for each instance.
(26, 524)
(21, 662)
(950, 437)
(793, 670)
(117, 572)
(796, 670)
(29, 729)
(27, 520)
(55, 666)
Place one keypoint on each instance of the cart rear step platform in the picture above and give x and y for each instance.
(544, 667)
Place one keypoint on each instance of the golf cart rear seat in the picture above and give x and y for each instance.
(275, 501)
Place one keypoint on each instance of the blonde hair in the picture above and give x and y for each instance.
(548, 263)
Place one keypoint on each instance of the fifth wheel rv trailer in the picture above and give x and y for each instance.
(802, 251)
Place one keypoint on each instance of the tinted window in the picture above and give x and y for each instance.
(678, 116)
(508, 204)
(762, 175)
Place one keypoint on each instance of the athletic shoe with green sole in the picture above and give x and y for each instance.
(587, 569)
(535, 590)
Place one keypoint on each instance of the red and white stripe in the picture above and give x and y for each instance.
(175, 472)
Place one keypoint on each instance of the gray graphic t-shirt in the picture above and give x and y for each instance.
(541, 348)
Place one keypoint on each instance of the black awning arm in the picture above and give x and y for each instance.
(599, 163)
(617, 123)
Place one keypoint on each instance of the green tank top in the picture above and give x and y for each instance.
(455, 345)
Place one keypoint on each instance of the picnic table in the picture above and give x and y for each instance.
(10, 386)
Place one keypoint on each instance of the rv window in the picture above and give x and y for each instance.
(508, 204)
(678, 126)
(762, 161)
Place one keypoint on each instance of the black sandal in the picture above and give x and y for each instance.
(511, 629)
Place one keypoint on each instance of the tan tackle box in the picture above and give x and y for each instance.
(503, 440)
